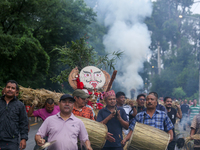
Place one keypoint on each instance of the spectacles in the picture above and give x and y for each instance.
(142, 99)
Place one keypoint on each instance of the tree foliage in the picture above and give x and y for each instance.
(29, 30)
(178, 92)
(80, 54)
(179, 45)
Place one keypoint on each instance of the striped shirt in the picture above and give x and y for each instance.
(159, 120)
(194, 110)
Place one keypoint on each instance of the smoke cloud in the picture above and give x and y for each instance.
(127, 32)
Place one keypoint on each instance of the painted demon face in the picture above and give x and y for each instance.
(92, 77)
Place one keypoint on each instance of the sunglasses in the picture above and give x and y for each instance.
(142, 99)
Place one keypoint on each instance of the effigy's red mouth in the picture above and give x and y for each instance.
(94, 83)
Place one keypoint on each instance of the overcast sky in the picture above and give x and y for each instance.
(196, 7)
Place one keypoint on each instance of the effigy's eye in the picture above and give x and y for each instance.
(87, 75)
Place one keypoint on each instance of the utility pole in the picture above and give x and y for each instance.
(199, 83)
(198, 53)
(159, 62)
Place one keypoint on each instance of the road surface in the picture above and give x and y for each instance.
(31, 135)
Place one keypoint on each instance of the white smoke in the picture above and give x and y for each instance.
(128, 33)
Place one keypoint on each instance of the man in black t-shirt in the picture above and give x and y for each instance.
(172, 114)
(185, 110)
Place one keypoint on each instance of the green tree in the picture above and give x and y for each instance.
(178, 93)
(29, 30)
(178, 40)
(80, 54)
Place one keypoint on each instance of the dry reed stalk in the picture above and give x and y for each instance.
(97, 132)
(28, 95)
(129, 101)
(196, 137)
(174, 103)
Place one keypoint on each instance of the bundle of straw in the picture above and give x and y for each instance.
(129, 101)
(145, 137)
(174, 103)
(28, 95)
(188, 141)
(97, 132)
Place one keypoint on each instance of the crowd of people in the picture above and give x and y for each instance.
(61, 124)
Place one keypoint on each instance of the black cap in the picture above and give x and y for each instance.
(65, 96)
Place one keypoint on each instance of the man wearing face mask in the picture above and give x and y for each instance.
(152, 117)
(172, 114)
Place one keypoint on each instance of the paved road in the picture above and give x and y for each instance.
(31, 135)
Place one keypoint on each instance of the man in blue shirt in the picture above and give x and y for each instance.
(115, 119)
(152, 117)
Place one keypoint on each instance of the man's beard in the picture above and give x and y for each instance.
(168, 107)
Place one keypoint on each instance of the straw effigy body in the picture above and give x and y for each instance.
(28, 95)
(97, 132)
(145, 137)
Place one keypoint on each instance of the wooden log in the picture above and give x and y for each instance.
(112, 79)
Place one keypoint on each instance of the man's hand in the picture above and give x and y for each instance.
(118, 115)
(40, 142)
(22, 144)
(112, 115)
(191, 138)
(89, 148)
(171, 139)
(131, 103)
(123, 142)
(178, 106)
(109, 137)
(35, 102)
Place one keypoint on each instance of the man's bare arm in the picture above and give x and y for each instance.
(192, 132)
(171, 135)
(88, 145)
(105, 121)
(30, 112)
(179, 113)
(134, 112)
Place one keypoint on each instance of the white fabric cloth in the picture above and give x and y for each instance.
(127, 109)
